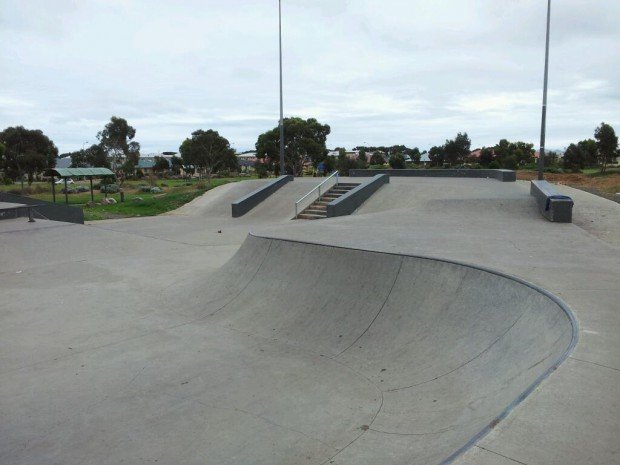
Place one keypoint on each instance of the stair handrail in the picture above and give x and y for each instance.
(335, 174)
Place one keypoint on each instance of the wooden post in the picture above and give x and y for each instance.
(66, 192)
(53, 189)
(92, 196)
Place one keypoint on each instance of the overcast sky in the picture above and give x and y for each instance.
(379, 72)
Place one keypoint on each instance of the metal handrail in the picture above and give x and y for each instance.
(335, 174)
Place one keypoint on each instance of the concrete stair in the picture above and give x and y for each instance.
(318, 209)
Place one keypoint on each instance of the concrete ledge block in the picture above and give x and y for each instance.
(553, 206)
(243, 205)
(352, 200)
(500, 175)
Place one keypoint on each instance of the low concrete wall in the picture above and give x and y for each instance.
(500, 175)
(46, 210)
(351, 201)
(243, 205)
(553, 206)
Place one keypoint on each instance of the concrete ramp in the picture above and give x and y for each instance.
(360, 357)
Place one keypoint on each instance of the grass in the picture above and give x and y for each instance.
(176, 192)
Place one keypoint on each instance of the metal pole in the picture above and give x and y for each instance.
(281, 99)
(53, 189)
(92, 195)
(66, 192)
(543, 126)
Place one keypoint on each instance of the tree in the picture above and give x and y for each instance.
(512, 154)
(94, 156)
(574, 158)
(208, 152)
(397, 161)
(176, 164)
(436, 155)
(362, 161)
(27, 151)
(457, 149)
(304, 142)
(160, 165)
(590, 151)
(377, 158)
(344, 163)
(607, 144)
(116, 139)
(486, 156)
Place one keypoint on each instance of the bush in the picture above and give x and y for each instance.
(494, 165)
(7, 181)
(510, 163)
(224, 173)
(554, 170)
(397, 161)
(139, 174)
(151, 189)
(261, 170)
(81, 188)
(110, 188)
(377, 167)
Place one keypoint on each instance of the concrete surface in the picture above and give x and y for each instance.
(162, 340)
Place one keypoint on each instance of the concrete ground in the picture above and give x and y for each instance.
(166, 340)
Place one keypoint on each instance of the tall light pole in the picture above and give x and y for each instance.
(543, 126)
(281, 99)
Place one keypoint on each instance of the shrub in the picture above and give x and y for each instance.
(397, 161)
(377, 167)
(261, 170)
(110, 188)
(494, 165)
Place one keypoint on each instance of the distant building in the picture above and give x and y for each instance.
(247, 159)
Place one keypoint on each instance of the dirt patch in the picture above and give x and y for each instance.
(607, 186)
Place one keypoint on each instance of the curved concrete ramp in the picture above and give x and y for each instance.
(346, 356)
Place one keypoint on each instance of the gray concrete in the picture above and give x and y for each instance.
(499, 175)
(139, 340)
(351, 201)
(246, 203)
(554, 206)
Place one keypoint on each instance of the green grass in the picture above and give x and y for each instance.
(176, 193)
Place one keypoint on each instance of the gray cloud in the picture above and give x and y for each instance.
(396, 71)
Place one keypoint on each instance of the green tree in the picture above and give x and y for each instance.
(116, 139)
(607, 144)
(457, 150)
(590, 151)
(436, 155)
(397, 161)
(574, 158)
(344, 163)
(377, 158)
(27, 151)
(304, 142)
(176, 164)
(93, 156)
(160, 165)
(507, 153)
(486, 156)
(208, 152)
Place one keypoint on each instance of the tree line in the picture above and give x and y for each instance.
(26, 152)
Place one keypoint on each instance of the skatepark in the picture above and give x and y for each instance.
(444, 321)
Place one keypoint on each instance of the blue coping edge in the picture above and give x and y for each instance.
(243, 205)
(500, 175)
(351, 201)
(559, 302)
(553, 206)
(46, 210)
